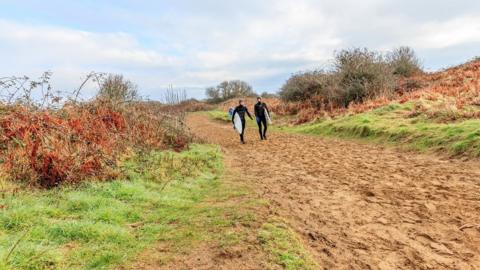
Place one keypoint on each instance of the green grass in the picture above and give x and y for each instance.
(224, 117)
(100, 225)
(391, 124)
(284, 247)
(178, 200)
(219, 115)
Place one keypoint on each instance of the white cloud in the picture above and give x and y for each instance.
(444, 34)
(62, 46)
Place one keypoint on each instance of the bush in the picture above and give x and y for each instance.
(305, 85)
(356, 75)
(362, 74)
(48, 146)
(45, 148)
(404, 61)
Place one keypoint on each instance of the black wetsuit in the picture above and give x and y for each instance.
(241, 110)
(260, 110)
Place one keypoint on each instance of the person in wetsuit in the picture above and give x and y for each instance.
(241, 110)
(261, 110)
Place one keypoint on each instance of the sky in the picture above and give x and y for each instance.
(195, 44)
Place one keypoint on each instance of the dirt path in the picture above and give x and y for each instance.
(360, 206)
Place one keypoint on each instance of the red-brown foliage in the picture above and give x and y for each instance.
(458, 86)
(49, 147)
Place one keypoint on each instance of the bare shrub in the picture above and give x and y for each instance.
(404, 61)
(356, 75)
(363, 74)
(116, 88)
(29, 92)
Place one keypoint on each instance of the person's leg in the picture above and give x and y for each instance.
(264, 121)
(243, 131)
(259, 123)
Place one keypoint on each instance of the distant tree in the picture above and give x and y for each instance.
(213, 94)
(229, 89)
(117, 88)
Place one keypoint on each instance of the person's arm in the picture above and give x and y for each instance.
(233, 115)
(246, 110)
(255, 110)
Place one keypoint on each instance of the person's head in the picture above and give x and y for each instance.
(259, 99)
(240, 102)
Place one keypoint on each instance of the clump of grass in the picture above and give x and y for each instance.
(285, 247)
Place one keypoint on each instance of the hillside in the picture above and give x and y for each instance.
(442, 115)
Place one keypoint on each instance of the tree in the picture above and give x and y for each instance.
(213, 94)
(229, 89)
(117, 88)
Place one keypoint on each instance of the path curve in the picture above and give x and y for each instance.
(361, 206)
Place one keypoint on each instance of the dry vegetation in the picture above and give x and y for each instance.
(447, 95)
(46, 140)
(355, 77)
(443, 96)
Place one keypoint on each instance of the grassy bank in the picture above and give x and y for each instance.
(100, 225)
(396, 124)
(180, 200)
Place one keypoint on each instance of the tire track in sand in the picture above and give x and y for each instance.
(361, 206)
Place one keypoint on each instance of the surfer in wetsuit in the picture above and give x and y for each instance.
(241, 110)
(261, 112)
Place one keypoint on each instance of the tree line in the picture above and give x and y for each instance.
(355, 74)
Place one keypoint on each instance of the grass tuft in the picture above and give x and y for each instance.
(285, 247)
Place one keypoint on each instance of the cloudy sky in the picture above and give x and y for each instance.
(195, 44)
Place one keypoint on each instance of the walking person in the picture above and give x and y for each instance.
(261, 114)
(241, 110)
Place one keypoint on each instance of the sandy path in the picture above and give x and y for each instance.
(360, 206)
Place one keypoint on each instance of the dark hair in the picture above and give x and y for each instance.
(239, 101)
(259, 98)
